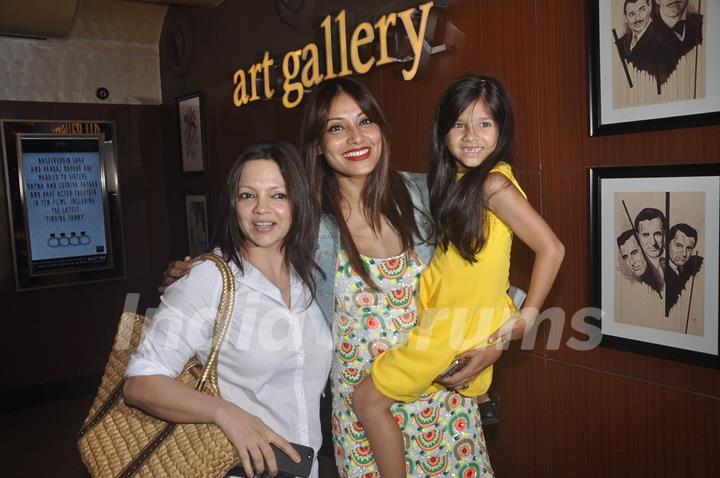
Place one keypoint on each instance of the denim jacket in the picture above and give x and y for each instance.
(329, 243)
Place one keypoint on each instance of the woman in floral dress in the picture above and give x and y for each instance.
(373, 244)
(442, 433)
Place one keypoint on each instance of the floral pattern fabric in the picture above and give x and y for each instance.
(442, 431)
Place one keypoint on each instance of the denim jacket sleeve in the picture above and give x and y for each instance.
(417, 186)
(329, 243)
(326, 257)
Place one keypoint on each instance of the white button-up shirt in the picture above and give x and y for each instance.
(274, 361)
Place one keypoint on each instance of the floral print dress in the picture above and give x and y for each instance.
(442, 431)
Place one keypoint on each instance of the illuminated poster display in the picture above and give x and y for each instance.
(61, 183)
(62, 180)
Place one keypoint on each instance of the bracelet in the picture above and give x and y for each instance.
(502, 339)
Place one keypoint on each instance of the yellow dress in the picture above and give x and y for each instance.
(459, 306)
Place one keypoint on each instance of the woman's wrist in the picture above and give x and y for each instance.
(528, 316)
(222, 412)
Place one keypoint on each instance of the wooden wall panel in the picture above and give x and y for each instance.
(409, 120)
(604, 424)
(562, 82)
(565, 209)
(521, 260)
(36, 440)
(518, 444)
(502, 42)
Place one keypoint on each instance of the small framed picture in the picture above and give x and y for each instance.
(192, 132)
(654, 256)
(651, 64)
(197, 224)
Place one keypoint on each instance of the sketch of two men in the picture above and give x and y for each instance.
(659, 33)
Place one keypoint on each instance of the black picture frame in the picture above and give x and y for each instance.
(196, 220)
(646, 309)
(615, 107)
(191, 130)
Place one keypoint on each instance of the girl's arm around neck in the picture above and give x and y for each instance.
(511, 207)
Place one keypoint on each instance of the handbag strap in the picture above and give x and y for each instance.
(222, 320)
(209, 371)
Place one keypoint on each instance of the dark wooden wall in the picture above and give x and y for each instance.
(564, 413)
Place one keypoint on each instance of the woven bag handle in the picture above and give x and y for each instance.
(209, 371)
(222, 320)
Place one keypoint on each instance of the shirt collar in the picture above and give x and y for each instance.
(671, 21)
(256, 280)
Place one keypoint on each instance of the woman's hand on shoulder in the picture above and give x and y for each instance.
(252, 438)
(477, 361)
(175, 270)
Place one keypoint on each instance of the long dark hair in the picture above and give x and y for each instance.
(384, 193)
(458, 207)
(302, 235)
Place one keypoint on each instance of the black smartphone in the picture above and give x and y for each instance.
(454, 367)
(286, 467)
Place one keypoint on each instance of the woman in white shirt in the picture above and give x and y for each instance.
(276, 356)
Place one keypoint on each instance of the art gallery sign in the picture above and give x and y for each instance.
(370, 45)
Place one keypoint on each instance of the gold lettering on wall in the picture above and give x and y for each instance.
(291, 72)
(311, 71)
(266, 64)
(302, 68)
(368, 35)
(382, 25)
(240, 96)
(416, 38)
(342, 34)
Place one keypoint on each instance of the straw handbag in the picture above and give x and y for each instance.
(121, 441)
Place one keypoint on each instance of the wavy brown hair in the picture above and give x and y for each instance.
(302, 235)
(384, 194)
(458, 207)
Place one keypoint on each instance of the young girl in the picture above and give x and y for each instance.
(477, 206)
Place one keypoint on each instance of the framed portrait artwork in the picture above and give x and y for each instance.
(651, 64)
(654, 255)
(197, 224)
(192, 134)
